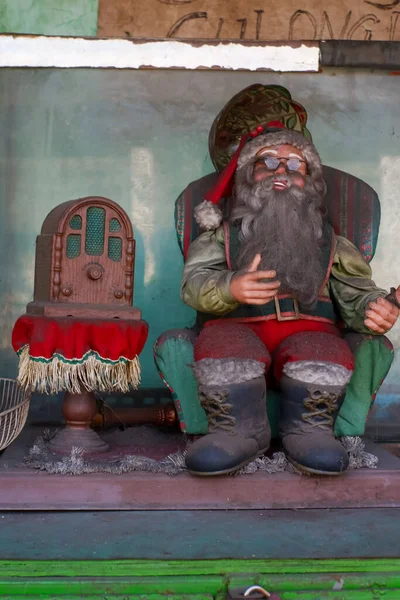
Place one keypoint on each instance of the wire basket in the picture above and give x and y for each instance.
(14, 407)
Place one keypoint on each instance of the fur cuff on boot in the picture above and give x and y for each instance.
(318, 372)
(222, 371)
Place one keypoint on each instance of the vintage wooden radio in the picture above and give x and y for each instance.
(84, 265)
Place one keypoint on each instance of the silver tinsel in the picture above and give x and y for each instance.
(42, 459)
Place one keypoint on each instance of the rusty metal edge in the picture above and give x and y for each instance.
(360, 54)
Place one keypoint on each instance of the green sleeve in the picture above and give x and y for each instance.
(351, 286)
(206, 277)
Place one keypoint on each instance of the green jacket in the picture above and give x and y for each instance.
(206, 280)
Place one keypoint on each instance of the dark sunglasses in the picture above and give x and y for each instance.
(273, 162)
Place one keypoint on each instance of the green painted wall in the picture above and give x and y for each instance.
(49, 17)
(139, 137)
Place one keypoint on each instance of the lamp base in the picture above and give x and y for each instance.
(78, 411)
(73, 437)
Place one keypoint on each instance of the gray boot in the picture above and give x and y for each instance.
(308, 414)
(238, 428)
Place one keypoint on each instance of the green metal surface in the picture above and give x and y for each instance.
(375, 594)
(100, 544)
(49, 17)
(199, 568)
(311, 581)
(104, 594)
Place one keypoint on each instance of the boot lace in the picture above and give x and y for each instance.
(218, 411)
(321, 408)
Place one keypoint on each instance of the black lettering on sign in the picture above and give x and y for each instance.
(297, 15)
(259, 14)
(360, 23)
(178, 24)
(220, 23)
(393, 24)
(175, 1)
(242, 27)
(326, 22)
(383, 6)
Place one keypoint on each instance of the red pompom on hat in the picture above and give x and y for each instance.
(207, 214)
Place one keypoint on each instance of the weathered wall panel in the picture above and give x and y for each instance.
(251, 20)
(139, 137)
(47, 17)
(221, 19)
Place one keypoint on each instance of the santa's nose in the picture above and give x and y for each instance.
(281, 168)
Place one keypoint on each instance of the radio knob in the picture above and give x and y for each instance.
(94, 273)
(67, 291)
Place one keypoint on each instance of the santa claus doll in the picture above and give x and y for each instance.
(271, 283)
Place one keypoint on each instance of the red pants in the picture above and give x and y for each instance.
(273, 341)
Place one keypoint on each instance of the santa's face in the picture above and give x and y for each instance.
(278, 209)
(285, 164)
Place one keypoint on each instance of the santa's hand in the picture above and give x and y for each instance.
(248, 287)
(382, 314)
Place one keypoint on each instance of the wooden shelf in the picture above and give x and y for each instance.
(28, 490)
